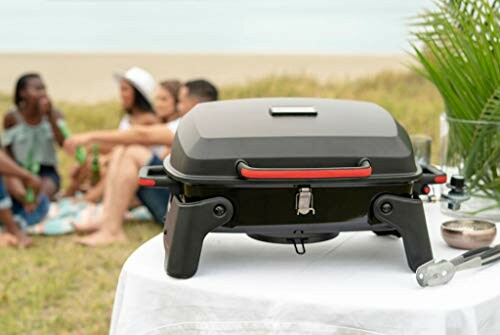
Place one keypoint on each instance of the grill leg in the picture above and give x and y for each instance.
(408, 218)
(388, 232)
(185, 228)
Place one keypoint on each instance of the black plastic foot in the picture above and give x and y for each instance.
(186, 226)
(408, 218)
(388, 232)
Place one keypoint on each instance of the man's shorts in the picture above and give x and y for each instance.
(5, 201)
(155, 199)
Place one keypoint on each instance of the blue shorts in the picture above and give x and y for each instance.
(18, 210)
(49, 172)
(155, 199)
(5, 201)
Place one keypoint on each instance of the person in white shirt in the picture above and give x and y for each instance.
(121, 184)
(136, 97)
(165, 102)
(136, 91)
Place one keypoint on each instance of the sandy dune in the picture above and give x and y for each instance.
(88, 77)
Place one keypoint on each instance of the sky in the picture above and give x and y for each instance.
(287, 26)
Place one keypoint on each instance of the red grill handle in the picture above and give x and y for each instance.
(155, 176)
(432, 175)
(363, 170)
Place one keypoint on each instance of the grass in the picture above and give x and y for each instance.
(59, 287)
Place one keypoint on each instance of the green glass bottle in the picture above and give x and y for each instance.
(34, 168)
(96, 173)
(81, 153)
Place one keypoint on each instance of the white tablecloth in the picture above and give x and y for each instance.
(357, 283)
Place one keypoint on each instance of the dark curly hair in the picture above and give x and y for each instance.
(21, 84)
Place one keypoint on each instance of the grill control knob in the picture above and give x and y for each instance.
(458, 183)
(457, 194)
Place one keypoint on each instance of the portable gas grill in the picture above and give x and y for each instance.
(290, 170)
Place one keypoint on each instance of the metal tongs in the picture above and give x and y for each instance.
(439, 273)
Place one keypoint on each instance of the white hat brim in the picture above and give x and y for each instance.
(120, 76)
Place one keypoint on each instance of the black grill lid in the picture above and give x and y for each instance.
(291, 138)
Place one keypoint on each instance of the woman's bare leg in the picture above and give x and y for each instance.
(17, 190)
(96, 193)
(48, 188)
(92, 225)
(121, 187)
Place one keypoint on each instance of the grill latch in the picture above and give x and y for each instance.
(304, 201)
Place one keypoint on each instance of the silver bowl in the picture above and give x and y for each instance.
(468, 233)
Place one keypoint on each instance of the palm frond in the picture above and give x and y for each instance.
(460, 55)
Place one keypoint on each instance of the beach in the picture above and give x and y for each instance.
(56, 271)
(88, 77)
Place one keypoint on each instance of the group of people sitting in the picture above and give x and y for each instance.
(103, 190)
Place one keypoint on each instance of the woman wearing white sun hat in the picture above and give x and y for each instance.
(136, 90)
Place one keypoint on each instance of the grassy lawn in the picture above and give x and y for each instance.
(57, 287)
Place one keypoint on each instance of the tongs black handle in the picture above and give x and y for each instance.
(491, 255)
(480, 256)
(472, 253)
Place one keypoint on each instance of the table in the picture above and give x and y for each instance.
(357, 283)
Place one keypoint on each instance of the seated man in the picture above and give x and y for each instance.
(122, 185)
(14, 234)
